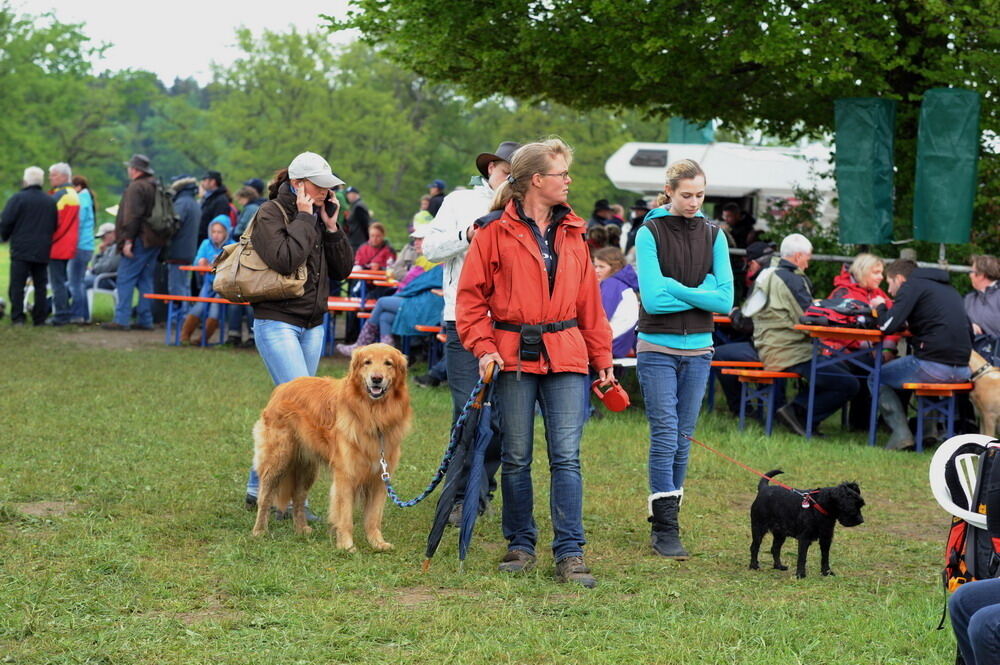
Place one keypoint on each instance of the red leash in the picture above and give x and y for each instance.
(807, 498)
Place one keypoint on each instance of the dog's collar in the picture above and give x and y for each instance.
(808, 500)
(985, 369)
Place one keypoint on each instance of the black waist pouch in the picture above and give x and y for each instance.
(531, 342)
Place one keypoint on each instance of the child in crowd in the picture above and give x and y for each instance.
(218, 233)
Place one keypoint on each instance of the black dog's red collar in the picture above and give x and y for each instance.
(808, 500)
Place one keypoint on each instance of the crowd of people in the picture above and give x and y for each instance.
(529, 287)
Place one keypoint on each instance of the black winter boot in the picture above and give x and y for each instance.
(665, 536)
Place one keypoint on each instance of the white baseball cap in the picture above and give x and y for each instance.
(315, 168)
(106, 227)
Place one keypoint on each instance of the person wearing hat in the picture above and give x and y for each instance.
(358, 218)
(630, 228)
(436, 190)
(603, 214)
(448, 239)
(297, 226)
(183, 244)
(139, 245)
(215, 201)
(106, 258)
(378, 328)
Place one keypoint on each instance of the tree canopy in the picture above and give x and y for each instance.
(767, 64)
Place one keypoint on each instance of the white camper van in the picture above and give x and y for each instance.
(752, 176)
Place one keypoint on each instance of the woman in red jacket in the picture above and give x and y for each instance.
(862, 280)
(528, 300)
(377, 253)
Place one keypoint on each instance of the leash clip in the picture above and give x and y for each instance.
(385, 468)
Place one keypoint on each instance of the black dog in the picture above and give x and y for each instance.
(805, 515)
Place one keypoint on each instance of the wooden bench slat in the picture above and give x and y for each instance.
(749, 364)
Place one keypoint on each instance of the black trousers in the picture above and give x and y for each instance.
(20, 271)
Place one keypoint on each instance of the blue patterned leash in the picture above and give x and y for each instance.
(474, 402)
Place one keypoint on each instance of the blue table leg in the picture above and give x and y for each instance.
(170, 322)
(877, 374)
(812, 388)
(769, 417)
(744, 396)
(920, 423)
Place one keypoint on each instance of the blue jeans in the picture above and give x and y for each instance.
(385, 313)
(132, 273)
(288, 352)
(60, 291)
(914, 370)
(77, 290)
(672, 387)
(835, 387)
(562, 406)
(975, 618)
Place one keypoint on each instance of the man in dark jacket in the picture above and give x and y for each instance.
(358, 219)
(140, 245)
(181, 249)
(215, 201)
(436, 190)
(28, 221)
(941, 342)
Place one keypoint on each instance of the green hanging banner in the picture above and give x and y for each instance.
(864, 168)
(947, 158)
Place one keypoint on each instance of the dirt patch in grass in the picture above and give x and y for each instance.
(47, 508)
(96, 336)
(213, 612)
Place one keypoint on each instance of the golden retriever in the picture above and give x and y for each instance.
(343, 423)
(985, 393)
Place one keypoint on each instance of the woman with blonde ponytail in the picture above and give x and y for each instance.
(528, 300)
(684, 276)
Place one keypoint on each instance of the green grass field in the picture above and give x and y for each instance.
(123, 538)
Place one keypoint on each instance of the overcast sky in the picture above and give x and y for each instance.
(180, 37)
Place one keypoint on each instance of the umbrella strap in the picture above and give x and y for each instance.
(442, 469)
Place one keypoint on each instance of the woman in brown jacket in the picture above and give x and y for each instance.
(297, 225)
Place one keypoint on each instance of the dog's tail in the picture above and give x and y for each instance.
(764, 481)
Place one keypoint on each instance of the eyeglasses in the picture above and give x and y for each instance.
(564, 175)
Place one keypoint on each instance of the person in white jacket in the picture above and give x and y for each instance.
(447, 242)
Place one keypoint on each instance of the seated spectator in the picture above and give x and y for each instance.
(779, 297)
(106, 259)
(941, 341)
(377, 253)
(597, 238)
(614, 236)
(603, 214)
(619, 295)
(379, 326)
(423, 216)
(862, 281)
(983, 306)
(740, 346)
(249, 198)
(211, 247)
(410, 257)
(975, 617)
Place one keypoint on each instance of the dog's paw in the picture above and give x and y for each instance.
(257, 533)
(382, 546)
(800, 575)
(754, 565)
(306, 530)
(780, 567)
(828, 573)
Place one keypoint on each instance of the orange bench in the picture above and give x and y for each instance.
(713, 373)
(761, 386)
(174, 330)
(931, 405)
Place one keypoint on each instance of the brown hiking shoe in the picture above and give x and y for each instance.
(517, 561)
(572, 569)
